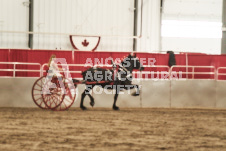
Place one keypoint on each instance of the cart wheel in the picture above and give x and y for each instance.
(37, 92)
(69, 98)
(53, 95)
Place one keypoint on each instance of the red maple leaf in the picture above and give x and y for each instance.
(85, 43)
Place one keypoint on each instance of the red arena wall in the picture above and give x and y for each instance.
(79, 57)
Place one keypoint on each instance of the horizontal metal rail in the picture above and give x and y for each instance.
(15, 70)
(152, 73)
(221, 74)
(74, 65)
(193, 73)
(157, 66)
(164, 69)
(68, 34)
(140, 73)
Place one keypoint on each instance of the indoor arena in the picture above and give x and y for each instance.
(113, 75)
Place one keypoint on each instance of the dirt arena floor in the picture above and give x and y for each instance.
(105, 129)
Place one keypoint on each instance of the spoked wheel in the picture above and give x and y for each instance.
(37, 93)
(53, 93)
(69, 98)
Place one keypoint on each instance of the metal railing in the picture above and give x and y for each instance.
(220, 73)
(14, 70)
(163, 72)
(67, 34)
(193, 72)
(73, 65)
(139, 73)
(66, 71)
(187, 70)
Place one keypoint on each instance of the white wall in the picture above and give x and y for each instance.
(203, 45)
(111, 17)
(83, 17)
(14, 16)
(151, 19)
(197, 26)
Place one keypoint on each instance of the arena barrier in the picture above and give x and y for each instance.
(221, 88)
(124, 99)
(20, 69)
(193, 93)
(16, 92)
(169, 92)
(221, 95)
(155, 93)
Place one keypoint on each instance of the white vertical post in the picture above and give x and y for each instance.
(40, 70)
(140, 78)
(14, 68)
(186, 59)
(193, 70)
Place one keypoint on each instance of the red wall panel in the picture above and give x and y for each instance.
(80, 57)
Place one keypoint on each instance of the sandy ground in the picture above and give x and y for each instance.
(105, 129)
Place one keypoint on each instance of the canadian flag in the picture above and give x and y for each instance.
(85, 43)
(88, 43)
